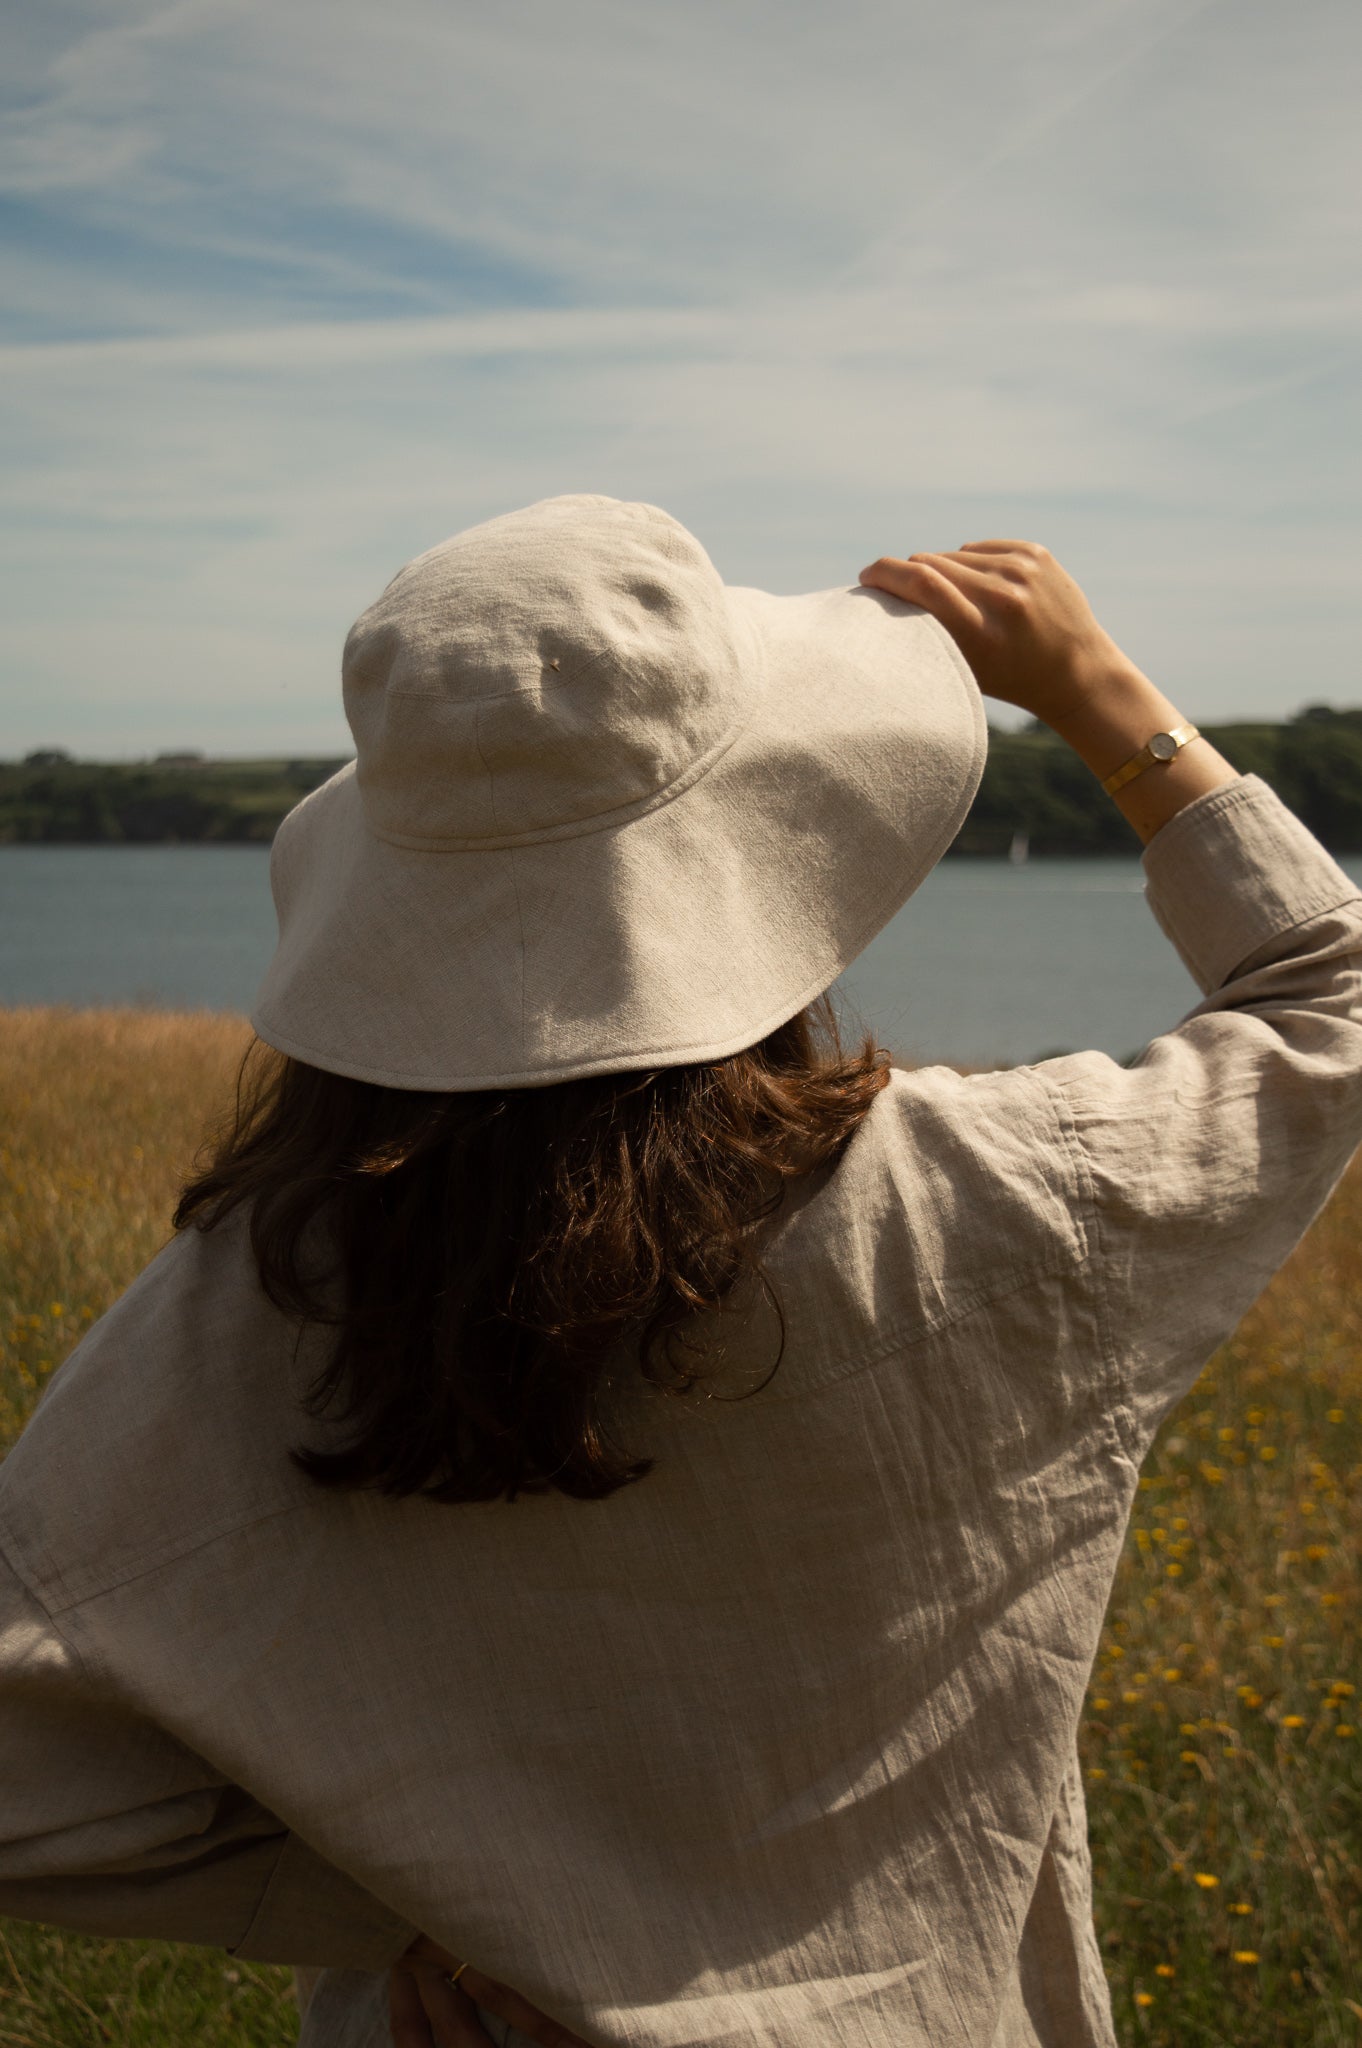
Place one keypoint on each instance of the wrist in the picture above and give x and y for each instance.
(1117, 713)
(1114, 722)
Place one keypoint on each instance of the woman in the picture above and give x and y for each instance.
(608, 1493)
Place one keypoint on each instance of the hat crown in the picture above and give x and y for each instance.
(549, 672)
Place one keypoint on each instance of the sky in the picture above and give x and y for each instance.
(292, 289)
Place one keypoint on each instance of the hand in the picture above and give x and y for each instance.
(426, 2011)
(1021, 622)
(1027, 631)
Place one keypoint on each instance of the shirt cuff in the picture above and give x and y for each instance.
(1231, 872)
(312, 1913)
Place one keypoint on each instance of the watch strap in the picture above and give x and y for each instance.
(1151, 755)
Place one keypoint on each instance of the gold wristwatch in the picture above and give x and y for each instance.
(1165, 747)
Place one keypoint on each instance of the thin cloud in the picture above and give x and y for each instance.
(302, 289)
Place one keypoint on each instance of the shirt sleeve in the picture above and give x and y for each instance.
(1207, 1159)
(109, 1826)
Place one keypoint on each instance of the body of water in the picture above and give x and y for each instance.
(989, 963)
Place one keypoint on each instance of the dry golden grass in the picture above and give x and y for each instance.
(1221, 1745)
(100, 1115)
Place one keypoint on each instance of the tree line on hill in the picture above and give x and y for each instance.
(1034, 786)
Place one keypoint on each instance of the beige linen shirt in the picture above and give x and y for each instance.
(777, 1746)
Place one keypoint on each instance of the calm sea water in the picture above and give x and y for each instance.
(988, 963)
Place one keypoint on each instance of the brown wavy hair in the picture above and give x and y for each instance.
(493, 1247)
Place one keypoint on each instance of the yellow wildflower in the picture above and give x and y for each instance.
(1293, 1720)
(1144, 1998)
(1205, 1880)
(1164, 1970)
(1245, 1955)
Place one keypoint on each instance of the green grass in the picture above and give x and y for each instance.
(57, 1990)
(1221, 1741)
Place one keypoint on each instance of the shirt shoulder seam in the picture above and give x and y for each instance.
(52, 1615)
(85, 1590)
(913, 1329)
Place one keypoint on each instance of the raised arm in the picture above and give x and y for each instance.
(1207, 1158)
(1029, 634)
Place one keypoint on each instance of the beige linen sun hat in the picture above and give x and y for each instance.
(607, 812)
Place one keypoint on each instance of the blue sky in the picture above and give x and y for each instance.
(292, 291)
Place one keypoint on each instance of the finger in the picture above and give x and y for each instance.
(985, 581)
(407, 2020)
(888, 573)
(451, 2013)
(424, 1950)
(983, 560)
(993, 570)
(508, 2005)
(917, 582)
(958, 565)
(1030, 548)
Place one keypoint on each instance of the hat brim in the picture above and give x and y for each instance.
(683, 934)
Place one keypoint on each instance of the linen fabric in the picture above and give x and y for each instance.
(778, 1745)
(606, 812)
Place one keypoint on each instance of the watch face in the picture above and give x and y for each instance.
(1163, 746)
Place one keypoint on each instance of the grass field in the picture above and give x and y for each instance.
(1221, 1744)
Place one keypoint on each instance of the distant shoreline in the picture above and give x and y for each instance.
(1036, 799)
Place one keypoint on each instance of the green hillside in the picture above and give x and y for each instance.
(1033, 784)
(52, 799)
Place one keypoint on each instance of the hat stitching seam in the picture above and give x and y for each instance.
(578, 828)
